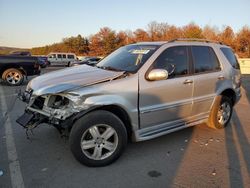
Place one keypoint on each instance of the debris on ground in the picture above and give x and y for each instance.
(1, 172)
(44, 169)
(214, 172)
(168, 153)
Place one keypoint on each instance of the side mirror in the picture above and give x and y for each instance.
(157, 74)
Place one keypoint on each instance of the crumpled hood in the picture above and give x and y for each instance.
(69, 79)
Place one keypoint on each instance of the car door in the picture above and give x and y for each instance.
(64, 60)
(207, 78)
(167, 102)
(58, 59)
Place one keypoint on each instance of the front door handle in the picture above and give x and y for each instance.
(188, 81)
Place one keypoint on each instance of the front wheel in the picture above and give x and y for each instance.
(98, 138)
(221, 112)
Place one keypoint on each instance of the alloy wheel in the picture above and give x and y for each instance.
(99, 142)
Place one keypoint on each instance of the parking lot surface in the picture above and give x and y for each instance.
(194, 157)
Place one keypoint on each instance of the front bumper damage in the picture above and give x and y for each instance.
(57, 110)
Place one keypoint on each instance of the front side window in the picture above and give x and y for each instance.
(64, 56)
(205, 60)
(59, 55)
(174, 60)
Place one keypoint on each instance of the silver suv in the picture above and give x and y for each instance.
(139, 92)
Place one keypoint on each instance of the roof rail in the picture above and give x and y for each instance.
(195, 40)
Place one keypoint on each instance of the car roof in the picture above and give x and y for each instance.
(186, 41)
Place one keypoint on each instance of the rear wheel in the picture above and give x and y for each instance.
(221, 112)
(13, 77)
(98, 138)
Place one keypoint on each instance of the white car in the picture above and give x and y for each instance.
(61, 58)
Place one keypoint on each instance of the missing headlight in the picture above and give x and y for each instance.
(57, 101)
(38, 103)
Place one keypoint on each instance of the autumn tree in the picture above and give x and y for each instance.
(107, 40)
(157, 31)
(104, 42)
(173, 32)
(210, 33)
(227, 36)
(141, 35)
(78, 45)
(243, 42)
(192, 31)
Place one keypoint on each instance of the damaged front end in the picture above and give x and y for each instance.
(54, 109)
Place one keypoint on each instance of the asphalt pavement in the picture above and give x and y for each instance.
(194, 157)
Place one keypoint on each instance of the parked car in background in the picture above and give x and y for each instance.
(86, 61)
(13, 69)
(139, 92)
(20, 53)
(61, 59)
(42, 61)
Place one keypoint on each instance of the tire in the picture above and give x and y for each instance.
(68, 64)
(220, 116)
(85, 138)
(13, 77)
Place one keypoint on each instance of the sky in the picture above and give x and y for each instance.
(33, 23)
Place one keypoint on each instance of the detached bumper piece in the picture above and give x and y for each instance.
(25, 119)
(30, 120)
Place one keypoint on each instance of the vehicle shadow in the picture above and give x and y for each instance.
(238, 148)
(234, 167)
(246, 86)
(237, 143)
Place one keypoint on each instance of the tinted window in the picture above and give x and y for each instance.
(174, 60)
(205, 59)
(59, 55)
(71, 57)
(64, 56)
(231, 57)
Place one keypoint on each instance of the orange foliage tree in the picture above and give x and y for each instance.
(107, 40)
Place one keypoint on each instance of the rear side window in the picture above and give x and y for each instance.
(71, 56)
(231, 57)
(64, 56)
(205, 60)
(59, 55)
(174, 60)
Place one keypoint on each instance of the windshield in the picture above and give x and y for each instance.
(128, 58)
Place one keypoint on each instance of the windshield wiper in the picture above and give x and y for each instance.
(109, 68)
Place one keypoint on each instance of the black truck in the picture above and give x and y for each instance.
(14, 68)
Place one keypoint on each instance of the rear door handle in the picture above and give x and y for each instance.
(221, 77)
(188, 81)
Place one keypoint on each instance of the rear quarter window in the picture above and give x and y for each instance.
(228, 53)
